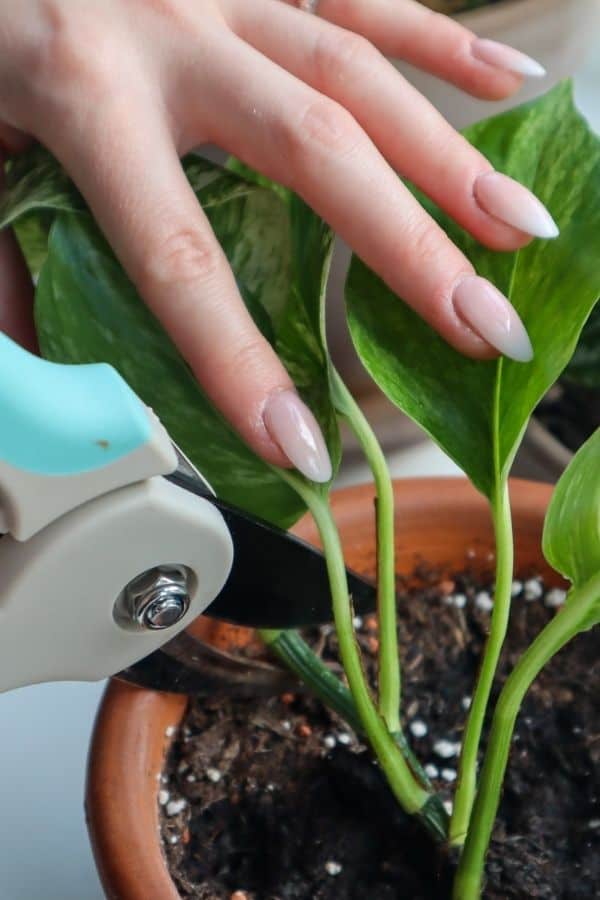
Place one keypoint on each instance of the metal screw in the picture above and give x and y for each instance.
(156, 599)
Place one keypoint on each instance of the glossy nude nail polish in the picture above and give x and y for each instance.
(507, 200)
(295, 430)
(504, 57)
(490, 315)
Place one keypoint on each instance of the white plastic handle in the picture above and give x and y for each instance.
(59, 588)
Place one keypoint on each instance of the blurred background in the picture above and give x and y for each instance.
(44, 850)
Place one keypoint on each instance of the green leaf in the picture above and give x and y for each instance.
(571, 539)
(37, 187)
(88, 310)
(477, 411)
(36, 181)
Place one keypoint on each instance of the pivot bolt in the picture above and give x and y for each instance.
(156, 599)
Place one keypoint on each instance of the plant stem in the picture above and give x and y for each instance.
(389, 660)
(411, 795)
(467, 776)
(565, 625)
(303, 662)
(293, 650)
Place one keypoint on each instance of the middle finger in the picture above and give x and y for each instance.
(306, 141)
(411, 134)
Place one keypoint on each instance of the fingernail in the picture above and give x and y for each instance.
(294, 428)
(491, 316)
(507, 200)
(504, 57)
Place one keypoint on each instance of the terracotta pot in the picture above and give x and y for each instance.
(444, 521)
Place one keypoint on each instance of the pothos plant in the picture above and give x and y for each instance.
(280, 251)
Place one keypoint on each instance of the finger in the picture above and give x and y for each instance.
(16, 291)
(129, 172)
(308, 142)
(409, 131)
(435, 43)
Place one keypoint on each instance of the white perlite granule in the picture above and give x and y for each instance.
(174, 807)
(555, 598)
(418, 728)
(332, 867)
(533, 589)
(484, 602)
(446, 749)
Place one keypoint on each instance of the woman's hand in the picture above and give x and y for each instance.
(118, 90)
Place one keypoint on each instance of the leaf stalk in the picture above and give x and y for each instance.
(564, 626)
(389, 660)
(467, 775)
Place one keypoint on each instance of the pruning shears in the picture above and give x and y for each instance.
(112, 543)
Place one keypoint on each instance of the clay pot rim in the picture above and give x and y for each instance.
(138, 724)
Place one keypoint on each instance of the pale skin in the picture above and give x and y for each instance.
(119, 90)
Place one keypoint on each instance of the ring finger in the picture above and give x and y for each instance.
(407, 129)
(298, 137)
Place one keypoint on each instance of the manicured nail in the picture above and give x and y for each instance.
(504, 57)
(491, 316)
(294, 428)
(507, 200)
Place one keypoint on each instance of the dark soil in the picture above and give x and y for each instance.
(571, 413)
(274, 812)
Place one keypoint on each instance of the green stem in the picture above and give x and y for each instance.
(467, 776)
(404, 783)
(565, 625)
(389, 659)
(298, 656)
(292, 650)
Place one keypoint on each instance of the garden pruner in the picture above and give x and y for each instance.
(112, 542)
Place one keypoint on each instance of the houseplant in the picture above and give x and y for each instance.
(556, 33)
(135, 728)
(476, 411)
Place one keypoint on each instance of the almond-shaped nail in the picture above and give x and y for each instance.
(295, 430)
(484, 309)
(507, 200)
(504, 57)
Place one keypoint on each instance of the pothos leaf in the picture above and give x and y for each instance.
(37, 187)
(571, 539)
(88, 310)
(477, 411)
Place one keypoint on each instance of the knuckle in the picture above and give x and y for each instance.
(339, 53)
(187, 255)
(73, 47)
(323, 127)
(249, 357)
(423, 239)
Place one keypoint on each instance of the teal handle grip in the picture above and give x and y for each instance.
(65, 420)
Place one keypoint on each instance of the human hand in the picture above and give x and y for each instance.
(118, 90)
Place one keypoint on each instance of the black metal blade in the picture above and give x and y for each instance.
(277, 580)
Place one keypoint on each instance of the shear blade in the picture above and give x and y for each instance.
(277, 580)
